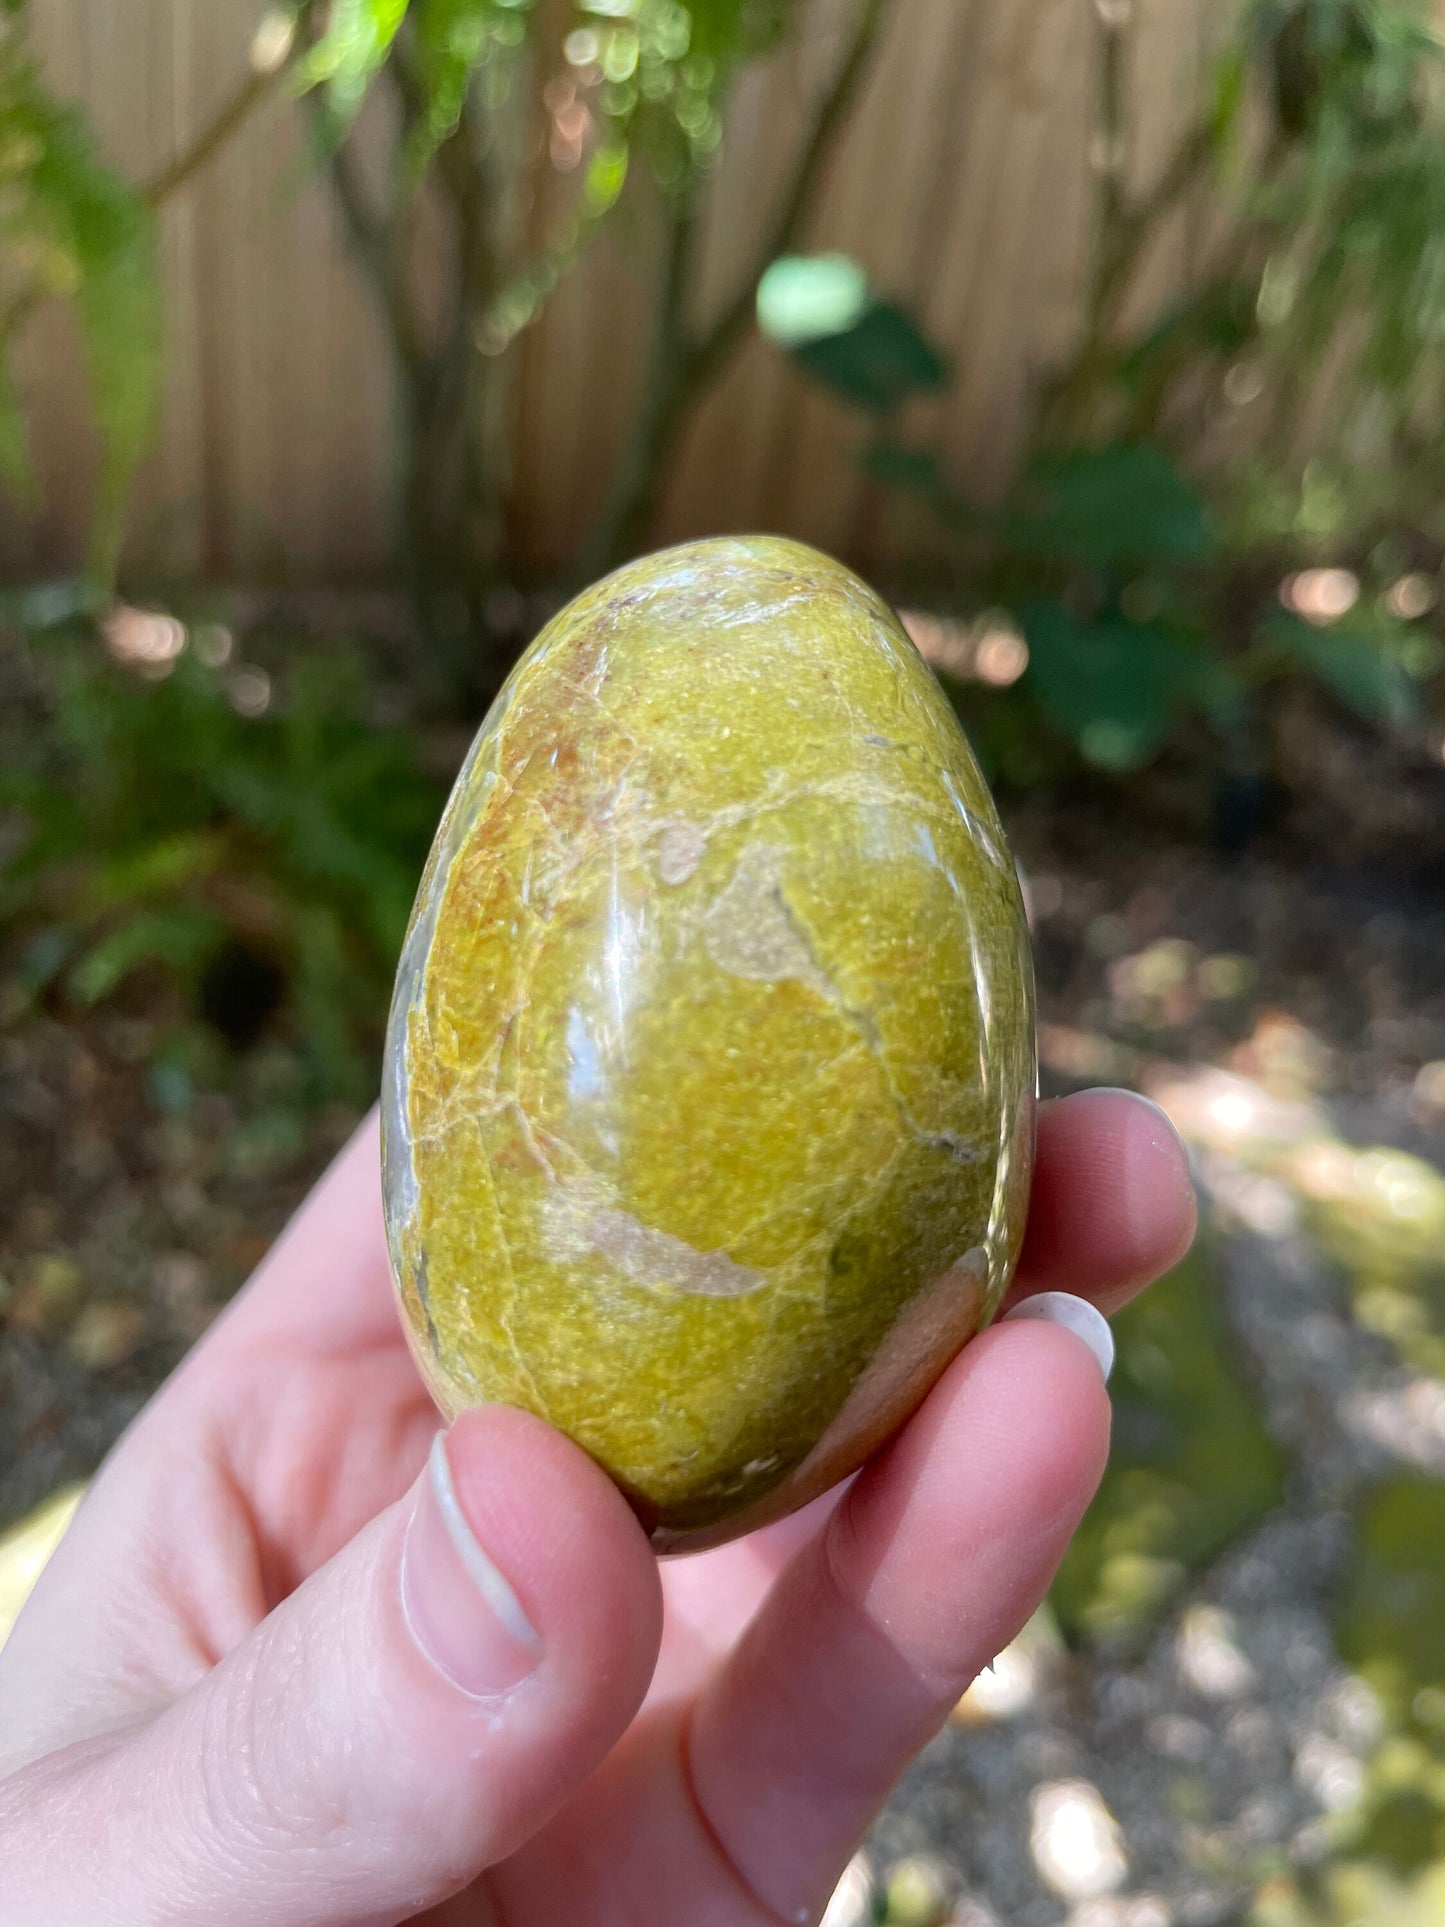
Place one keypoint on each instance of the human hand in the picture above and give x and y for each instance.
(287, 1667)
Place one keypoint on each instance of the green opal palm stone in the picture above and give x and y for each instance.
(709, 1082)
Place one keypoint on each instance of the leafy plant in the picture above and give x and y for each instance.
(157, 828)
(615, 90)
(72, 230)
(1145, 615)
(521, 130)
(1193, 1466)
(840, 332)
(1182, 465)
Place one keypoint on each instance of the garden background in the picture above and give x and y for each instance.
(1108, 338)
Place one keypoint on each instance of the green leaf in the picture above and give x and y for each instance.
(806, 297)
(1391, 1623)
(1193, 1465)
(353, 49)
(879, 363)
(606, 177)
(182, 937)
(16, 470)
(93, 235)
(913, 471)
(1360, 667)
(119, 306)
(1230, 81)
(821, 310)
(1109, 509)
(166, 864)
(1116, 687)
(457, 42)
(1216, 320)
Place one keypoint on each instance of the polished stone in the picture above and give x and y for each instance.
(709, 1087)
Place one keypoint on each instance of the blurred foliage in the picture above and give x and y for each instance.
(1193, 1466)
(867, 350)
(522, 126)
(1379, 1854)
(1380, 1214)
(1280, 413)
(1386, 1864)
(71, 230)
(1390, 1628)
(519, 127)
(651, 73)
(263, 863)
(1375, 1211)
(1353, 1894)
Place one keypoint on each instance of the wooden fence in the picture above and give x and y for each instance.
(964, 185)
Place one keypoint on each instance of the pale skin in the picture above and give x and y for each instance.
(216, 1710)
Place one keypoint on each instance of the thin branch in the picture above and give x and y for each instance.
(637, 476)
(1135, 225)
(373, 240)
(463, 172)
(461, 154)
(712, 348)
(17, 312)
(1111, 156)
(519, 301)
(1127, 237)
(682, 366)
(269, 64)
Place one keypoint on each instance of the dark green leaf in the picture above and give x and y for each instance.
(73, 213)
(1360, 667)
(878, 363)
(1218, 319)
(1116, 687)
(915, 471)
(821, 310)
(16, 472)
(181, 936)
(1122, 507)
(1392, 1617)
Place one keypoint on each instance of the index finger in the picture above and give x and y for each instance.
(1112, 1205)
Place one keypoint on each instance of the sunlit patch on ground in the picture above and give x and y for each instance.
(25, 1549)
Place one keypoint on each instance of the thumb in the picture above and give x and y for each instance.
(411, 1714)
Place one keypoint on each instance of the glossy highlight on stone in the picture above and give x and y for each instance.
(709, 1088)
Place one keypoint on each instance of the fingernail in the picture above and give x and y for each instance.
(1076, 1315)
(1121, 1090)
(462, 1613)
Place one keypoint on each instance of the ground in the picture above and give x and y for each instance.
(1234, 1710)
